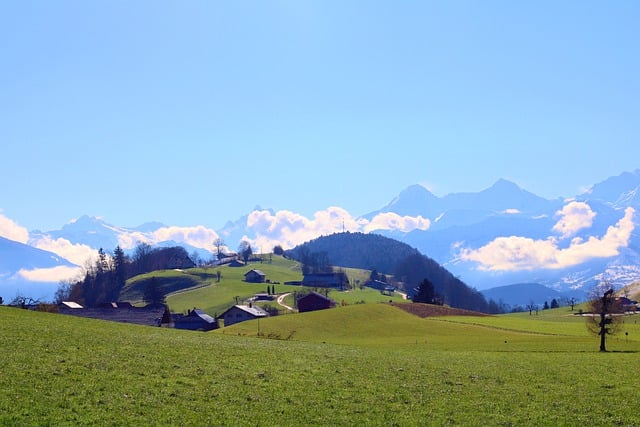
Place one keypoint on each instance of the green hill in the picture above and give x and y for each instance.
(366, 364)
(406, 265)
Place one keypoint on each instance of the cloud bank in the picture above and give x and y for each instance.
(522, 253)
(198, 236)
(12, 231)
(53, 275)
(289, 229)
(76, 253)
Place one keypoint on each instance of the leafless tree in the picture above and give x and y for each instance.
(605, 313)
(218, 243)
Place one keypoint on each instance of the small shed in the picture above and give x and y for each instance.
(241, 313)
(314, 301)
(255, 276)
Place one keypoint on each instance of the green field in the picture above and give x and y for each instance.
(362, 364)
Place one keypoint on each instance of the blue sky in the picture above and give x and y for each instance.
(193, 113)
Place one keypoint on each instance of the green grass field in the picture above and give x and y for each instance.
(363, 364)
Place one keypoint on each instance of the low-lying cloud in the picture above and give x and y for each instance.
(76, 253)
(198, 237)
(9, 229)
(290, 229)
(523, 253)
(53, 275)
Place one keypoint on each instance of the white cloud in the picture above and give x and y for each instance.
(12, 231)
(289, 229)
(511, 211)
(574, 216)
(198, 236)
(522, 253)
(76, 253)
(129, 240)
(393, 221)
(54, 274)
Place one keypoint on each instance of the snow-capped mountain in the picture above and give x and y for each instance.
(496, 237)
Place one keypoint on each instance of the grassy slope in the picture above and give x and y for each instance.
(216, 297)
(59, 370)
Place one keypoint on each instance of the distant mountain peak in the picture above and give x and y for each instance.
(505, 185)
(413, 200)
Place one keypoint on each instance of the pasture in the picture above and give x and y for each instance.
(364, 364)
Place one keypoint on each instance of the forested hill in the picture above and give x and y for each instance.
(357, 250)
(390, 257)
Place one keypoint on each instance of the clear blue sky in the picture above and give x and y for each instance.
(193, 112)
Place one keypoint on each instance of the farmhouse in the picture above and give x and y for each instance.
(255, 276)
(196, 320)
(151, 315)
(314, 301)
(241, 313)
(326, 280)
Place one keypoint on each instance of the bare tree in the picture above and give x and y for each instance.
(245, 250)
(218, 243)
(605, 315)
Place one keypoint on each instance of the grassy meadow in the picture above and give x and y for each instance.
(362, 364)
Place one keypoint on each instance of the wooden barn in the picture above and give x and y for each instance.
(255, 276)
(242, 313)
(314, 301)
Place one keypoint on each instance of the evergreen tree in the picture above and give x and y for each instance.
(426, 293)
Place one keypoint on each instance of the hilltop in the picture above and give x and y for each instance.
(406, 266)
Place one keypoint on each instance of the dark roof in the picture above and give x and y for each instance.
(316, 295)
(148, 316)
(196, 312)
(258, 272)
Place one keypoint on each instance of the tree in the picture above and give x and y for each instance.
(153, 293)
(218, 243)
(277, 250)
(606, 314)
(245, 250)
(119, 272)
(532, 306)
(426, 293)
(63, 293)
(545, 306)
(554, 303)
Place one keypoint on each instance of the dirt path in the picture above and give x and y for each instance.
(281, 298)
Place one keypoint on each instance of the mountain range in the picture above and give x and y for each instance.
(500, 236)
